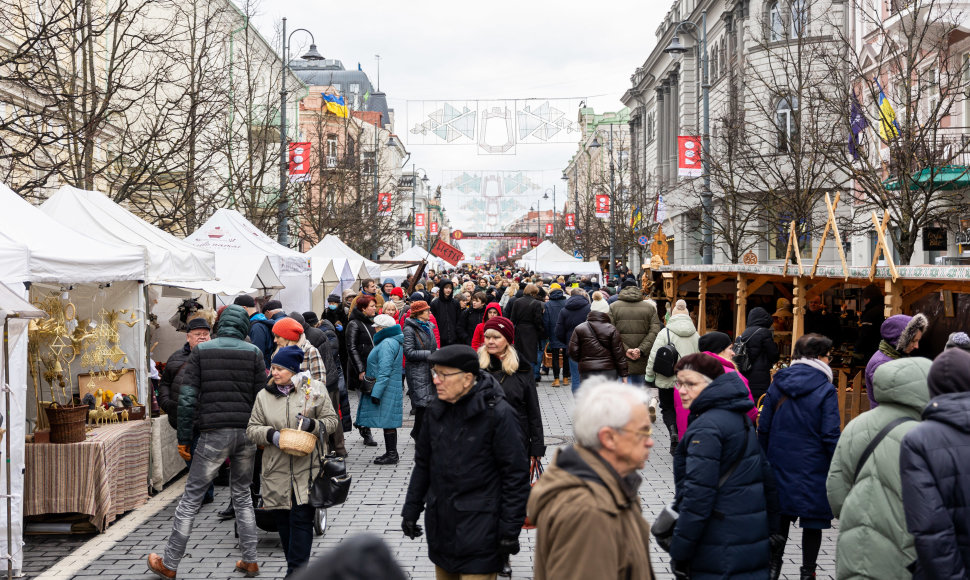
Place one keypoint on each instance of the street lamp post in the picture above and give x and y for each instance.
(677, 50)
(283, 205)
(595, 144)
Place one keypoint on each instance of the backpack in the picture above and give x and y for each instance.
(666, 358)
(742, 358)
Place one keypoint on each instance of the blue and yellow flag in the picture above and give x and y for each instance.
(888, 128)
(636, 218)
(336, 105)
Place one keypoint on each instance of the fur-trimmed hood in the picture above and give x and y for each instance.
(899, 330)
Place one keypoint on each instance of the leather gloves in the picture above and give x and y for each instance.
(375, 400)
(276, 438)
(681, 570)
(186, 452)
(306, 424)
(411, 529)
(664, 542)
(508, 546)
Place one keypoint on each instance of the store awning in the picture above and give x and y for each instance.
(944, 178)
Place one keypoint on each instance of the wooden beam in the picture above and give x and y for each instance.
(831, 224)
(793, 243)
(783, 289)
(821, 286)
(757, 283)
(685, 278)
(882, 247)
(713, 280)
(921, 291)
(740, 318)
(702, 307)
(798, 311)
(894, 298)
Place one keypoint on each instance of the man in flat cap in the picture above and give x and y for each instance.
(479, 483)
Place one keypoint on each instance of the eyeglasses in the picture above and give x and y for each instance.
(640, 434)
(435, 374)
(680, 385)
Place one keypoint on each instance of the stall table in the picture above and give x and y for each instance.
(104, 476)
(166, 461)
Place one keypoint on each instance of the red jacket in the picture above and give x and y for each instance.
(478, 339)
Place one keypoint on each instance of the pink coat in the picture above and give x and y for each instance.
(728, 368)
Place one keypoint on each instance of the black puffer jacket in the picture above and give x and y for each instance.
(221, 379)
(762, 351)
(526, 314)
(723, 532)
(313, 334)
(572, 315)
(418, 346)
(934, 462)
(520, 392)
(597, 346)
(360, 341)
(467, 321)
(446, 311)
(171, 383)
(471, 474)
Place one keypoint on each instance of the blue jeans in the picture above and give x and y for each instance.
(636, 379)
(211, 492)
(295, 526)
(211, 451)
(574, 374)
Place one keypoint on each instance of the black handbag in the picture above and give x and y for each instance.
(367, 385)
(332, 483)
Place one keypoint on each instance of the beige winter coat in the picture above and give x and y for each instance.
(282, 472)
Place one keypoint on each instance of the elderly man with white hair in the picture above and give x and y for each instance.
(585, 506)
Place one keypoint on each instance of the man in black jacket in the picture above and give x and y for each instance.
(219, 387)
(474, 488)
(168, 388)
(318, 339)
(445, 310)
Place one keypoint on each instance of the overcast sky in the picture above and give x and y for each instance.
(433, 49)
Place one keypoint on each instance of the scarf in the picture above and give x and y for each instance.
(426, 326)
(285, 389)
(258, 316)
(815, 364)
(887, 349)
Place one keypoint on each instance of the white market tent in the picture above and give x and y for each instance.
(548, 259)
(237, 244)
(170, 260)
(333, 248)
(336, 267)
(417, 253)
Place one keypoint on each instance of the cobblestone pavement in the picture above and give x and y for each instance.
(374, 506)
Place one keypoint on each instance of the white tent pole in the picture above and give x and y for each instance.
(9, 478)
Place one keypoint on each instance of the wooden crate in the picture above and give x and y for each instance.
(854, 402)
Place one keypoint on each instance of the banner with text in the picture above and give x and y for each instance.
(419, 220)
(689, 156)
(383, 204)
(549, 230)
(602, 206)
(434, 228)
(447, 252)
(299, 166)
(570, 221)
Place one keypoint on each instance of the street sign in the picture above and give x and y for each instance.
(577, 254)
(456, 235)
(447, 252)
(643, 240)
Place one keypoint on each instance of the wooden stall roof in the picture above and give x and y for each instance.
(856, 274)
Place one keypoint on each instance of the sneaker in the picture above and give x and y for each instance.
(249, 569)
(156, 566)
(555, 383)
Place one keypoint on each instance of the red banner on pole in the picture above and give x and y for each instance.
(434, 228)
(511, 253)
(384, 204)
(688, 156)
(419, 220)
(549, 230)
(447, 252)
(602, 206)
(299, 162)
(570, 221)
(518, 244)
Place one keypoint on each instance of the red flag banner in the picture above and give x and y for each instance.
(549, 230)
(447, 252)
(419, 220)
(511, 253)
(688, 156)
(434, 228)
(384, 204)
(518, 244)
(602, 206)
(299, 162)
(570, 221)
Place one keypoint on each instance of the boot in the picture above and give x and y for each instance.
(774, 566)
(807, 572)
(674, 439)
(555, 383)
(228, 513)
(368, 439)
(506, 569)
(390, 443)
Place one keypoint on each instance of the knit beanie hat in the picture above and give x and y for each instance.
(501, 325)
(289, 357)
(958, 340)
(333, 299)
(714, 342)
(418, 306)
(245, 300)
(950, 373)
(384, 321)
(311, 317)
(702, 363)
(680, 307)
(288, 329)
(600, 306)
(272, 305)
(398, 291)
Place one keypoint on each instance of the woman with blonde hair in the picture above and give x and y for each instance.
(499, 358)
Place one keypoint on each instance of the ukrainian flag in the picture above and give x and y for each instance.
(888, 128)
(336, 105)
(636, 218)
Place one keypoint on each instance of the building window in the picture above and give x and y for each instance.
(651, 121)
(331, 152)
(712, 63)
(367, 165)
(723, 55)
(787, 123)
(776, 27)
(799, 17)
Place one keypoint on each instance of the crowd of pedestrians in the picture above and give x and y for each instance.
(755, 449)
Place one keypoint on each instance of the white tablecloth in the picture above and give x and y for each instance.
(166, 461)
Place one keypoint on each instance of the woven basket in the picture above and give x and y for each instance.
(296, 442)
(67, 423)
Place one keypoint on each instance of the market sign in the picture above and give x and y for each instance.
(570, 221)
(447, 252)
(419, 220)
(456, 235)
(434, 228)
(934, 239)
(548, 230)
(689, 156)
(299, 165)
(384, 204)
(602, 206)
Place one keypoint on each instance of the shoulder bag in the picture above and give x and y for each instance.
(367, 383)
(875, 443)
(332, 483)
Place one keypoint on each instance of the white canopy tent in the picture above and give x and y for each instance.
(336, 267)
(548, 259)
(417, 253)
(238, 244)
(170, 260)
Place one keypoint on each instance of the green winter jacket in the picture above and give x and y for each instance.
(285, 479)
(684, 337)
(873, 541)
(638, 323)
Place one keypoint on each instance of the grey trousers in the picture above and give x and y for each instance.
(212, 450)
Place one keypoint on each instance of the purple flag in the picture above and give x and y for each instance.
(857, 124)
